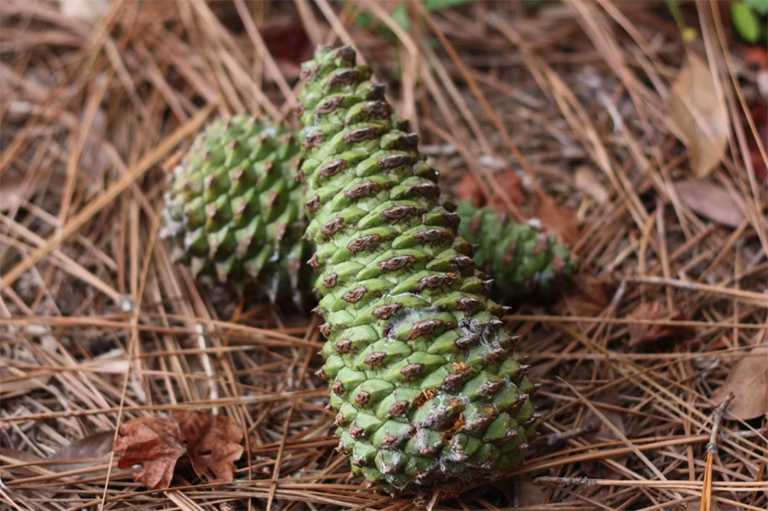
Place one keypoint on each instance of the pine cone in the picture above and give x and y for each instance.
(525, 263)
(428, 389)
(233, 210)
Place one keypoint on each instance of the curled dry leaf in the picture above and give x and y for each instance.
(710, 201)
(696, 108)
(213, 443)
(654, 311)
(155, 445)
(748, 380)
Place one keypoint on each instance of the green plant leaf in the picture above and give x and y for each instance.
(436, 5)
(399, 14)
(760, 6)
(746, 21)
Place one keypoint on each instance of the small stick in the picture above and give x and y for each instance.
(717, 417)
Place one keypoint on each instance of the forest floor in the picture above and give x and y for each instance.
(636, 136)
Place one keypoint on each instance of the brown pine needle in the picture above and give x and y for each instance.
(531, 100)
(717, 417)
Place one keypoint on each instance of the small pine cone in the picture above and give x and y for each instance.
(525, 263)
(233, 209)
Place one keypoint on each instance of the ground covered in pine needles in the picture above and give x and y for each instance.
(569, 112)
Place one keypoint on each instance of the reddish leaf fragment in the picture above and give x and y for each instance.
(508, 183)
(153, 443)
(653, 311)
(558, 221)
(760, 118)
(213, 443)
(511, 185)
(467, 189)
(757, 56)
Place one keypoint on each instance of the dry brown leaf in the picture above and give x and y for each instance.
(588, 296)
(530, 495)
(557, 221)
(710, 201)
(14, 381)
(587, 181)
(696, 108)
(155, 445)
(467, 189)
(213, 443)
(97, 445)
(748, 380)
(512, 185)
(653, 311)
(20, 458)
(17, 457)
(507, 180)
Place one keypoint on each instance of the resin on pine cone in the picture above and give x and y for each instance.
(233, 212)
(428, 390)
(525, 263)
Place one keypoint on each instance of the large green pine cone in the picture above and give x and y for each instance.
(428, 390)
(233, 211)
(525, 263)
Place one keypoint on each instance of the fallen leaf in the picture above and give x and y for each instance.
(710, 201)
(155, 445)
(530, 495)
(11, 190)
(288, 44)
(20, 458)
(213, 443)
(27, 460)
(748, 380)
(589, 296)
(653, 311)
(86, 449)
(512, 186)
(14, 380)
(506, 180)
(696, 109)
(588, 182)
(467, 189)
(557, 221)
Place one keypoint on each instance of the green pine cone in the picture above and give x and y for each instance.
(233, 209)
(428, 390)
(525, 263)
